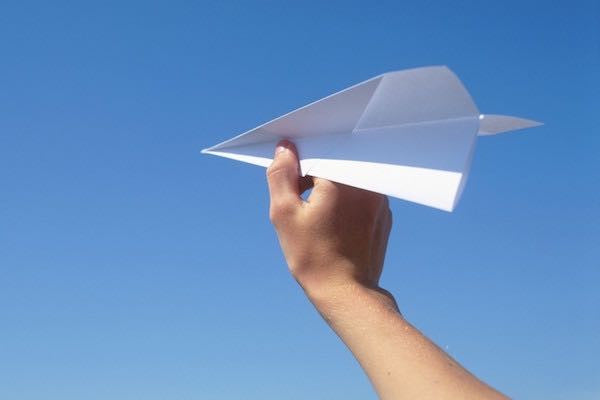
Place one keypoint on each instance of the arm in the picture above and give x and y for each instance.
(334, 244)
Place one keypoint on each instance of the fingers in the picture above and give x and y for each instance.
(324, 189)
(282, 177)
(334, 191)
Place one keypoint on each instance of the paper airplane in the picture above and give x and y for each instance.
(408, 134)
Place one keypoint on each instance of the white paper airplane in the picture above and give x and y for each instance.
(408, 134)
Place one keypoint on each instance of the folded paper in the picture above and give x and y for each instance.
(408, 134)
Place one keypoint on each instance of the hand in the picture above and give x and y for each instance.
(336, 240)
(334, 244)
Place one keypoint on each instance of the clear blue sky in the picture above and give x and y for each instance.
(132, 267)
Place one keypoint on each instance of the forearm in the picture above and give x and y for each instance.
(399, 360)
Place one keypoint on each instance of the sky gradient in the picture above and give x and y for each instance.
(132, 267)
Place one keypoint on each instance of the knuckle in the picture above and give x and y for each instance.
(327, 186)
(277, 171)
(273, 170)
(280, 211)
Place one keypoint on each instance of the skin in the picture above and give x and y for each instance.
(334, 244)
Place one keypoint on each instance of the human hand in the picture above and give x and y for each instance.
(334, 241)
(334, 244)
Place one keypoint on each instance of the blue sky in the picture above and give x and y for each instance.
(134, 267)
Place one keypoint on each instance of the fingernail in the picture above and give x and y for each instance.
(281, 147)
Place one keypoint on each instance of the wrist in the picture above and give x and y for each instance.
(344, 297)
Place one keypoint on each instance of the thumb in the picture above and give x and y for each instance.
(282, 176)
